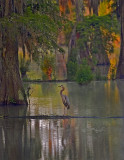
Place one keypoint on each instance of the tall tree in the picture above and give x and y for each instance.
(120, 69)
(33, 24)
(79, 14)
(11, 87)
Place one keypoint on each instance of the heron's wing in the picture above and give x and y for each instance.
(67, 100)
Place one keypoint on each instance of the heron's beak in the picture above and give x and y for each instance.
(59, 86)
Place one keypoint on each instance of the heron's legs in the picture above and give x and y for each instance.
(64, 110)
(67, 112)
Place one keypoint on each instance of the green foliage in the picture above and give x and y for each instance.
(81, 73)
(84, 73)
(96, 33)
(46, 27)
(72, 65)
(73, 56)
(39, 23)
(12, 101)
(71, 70)
(44, 76)
(94, 60)
(68, 27)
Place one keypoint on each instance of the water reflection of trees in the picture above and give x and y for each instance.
(68, 139)
(11, 131)
(95, 99)
(56, 137)
(17, 141)
(74, 139)
(22, 139)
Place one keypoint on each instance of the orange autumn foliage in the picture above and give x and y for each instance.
(49, 73)
(63, 4)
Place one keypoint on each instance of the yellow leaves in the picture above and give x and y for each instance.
(105, 7)
(114, 58)
(20, 52)
(112, 69)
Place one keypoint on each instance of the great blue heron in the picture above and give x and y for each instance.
(65, 99)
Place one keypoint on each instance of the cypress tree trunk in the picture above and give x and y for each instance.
(120, 70)
(79, 9)
(95, 4)
(11, 87)
(72, 41)
(79, 14)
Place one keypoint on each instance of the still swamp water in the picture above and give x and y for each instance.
(66, 139)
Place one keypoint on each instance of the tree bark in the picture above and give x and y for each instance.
(79, 9)
(94, 5)
(72, 41)
(120, 69)
(79, 14)
(11, 87)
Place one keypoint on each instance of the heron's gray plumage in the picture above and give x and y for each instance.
(65, 98)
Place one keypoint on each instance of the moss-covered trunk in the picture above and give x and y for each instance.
(11, 87)
(120, 70)
(79, 9)
(79, 15)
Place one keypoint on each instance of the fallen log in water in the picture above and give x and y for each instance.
(59, 117)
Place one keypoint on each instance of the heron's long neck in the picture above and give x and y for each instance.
(61, 91)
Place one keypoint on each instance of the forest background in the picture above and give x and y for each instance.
(77, 40)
